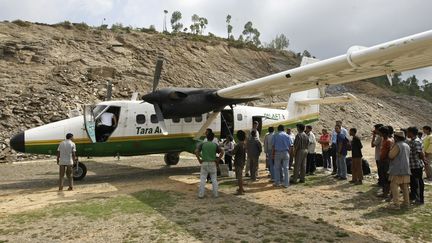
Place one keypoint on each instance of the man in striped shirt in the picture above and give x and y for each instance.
(416, 164)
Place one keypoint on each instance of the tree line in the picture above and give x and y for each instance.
(249, 35)
(409, 86)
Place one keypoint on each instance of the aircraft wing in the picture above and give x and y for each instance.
(358, 63)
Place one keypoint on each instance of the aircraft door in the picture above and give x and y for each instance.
(89, 122)
(227, 124)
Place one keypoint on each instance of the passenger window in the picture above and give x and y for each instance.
(198, 118)
(140, 119)
(176, 120)
(239, 117)
(153, 118)
(188, 119)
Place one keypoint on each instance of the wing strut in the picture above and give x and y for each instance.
(210, 119)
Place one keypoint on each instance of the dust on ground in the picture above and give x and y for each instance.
(139, 199)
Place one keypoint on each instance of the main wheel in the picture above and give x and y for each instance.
(172, 158)
(79, 172)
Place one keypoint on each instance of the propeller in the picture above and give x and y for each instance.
(157, 108)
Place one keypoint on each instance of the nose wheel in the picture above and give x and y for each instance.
(79, 171)
(172, 158)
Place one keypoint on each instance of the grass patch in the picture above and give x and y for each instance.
(341, 234)
(21, 23)
(141, 202)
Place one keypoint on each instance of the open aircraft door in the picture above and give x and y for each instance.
(89, 122)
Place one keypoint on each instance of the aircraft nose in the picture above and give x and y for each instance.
(17, 142)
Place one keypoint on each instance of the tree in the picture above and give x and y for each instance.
(252, 34)
(241, 39)
(229, 26)
(198, 24)
(175, 24)
(164, 24)
(279, 43)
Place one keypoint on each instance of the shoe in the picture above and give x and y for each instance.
(358, 183)
(285, 186)
(333, 173)
(200, 197)
(293, 182)
(247, 175)
(336, 177)
(276, 185)
(301, 181)
(70, 188)
(342, 178)
(351, 181)
(238, 193)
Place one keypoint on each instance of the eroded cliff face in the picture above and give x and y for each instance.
(46, 71)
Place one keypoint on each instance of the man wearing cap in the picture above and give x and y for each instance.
(65, 159)
(399, 168)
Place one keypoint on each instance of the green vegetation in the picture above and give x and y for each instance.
(65, 24)
(81, 26)
(252, 34)
(145, 202)
(175, 21)
(410, 86)
(280, 42)
(198, 24)
(21, 23)
(229, 27)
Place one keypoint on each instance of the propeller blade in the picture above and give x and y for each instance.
(157, 74)
(161, 119)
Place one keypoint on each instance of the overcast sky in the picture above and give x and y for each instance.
(325, 28)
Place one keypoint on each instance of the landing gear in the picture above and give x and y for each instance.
(172, 158)
(79, 172)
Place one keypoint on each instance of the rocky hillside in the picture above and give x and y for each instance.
(46, 71)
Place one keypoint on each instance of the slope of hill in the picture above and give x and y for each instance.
(45, 71)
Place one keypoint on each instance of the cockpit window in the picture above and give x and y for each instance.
(97, 111)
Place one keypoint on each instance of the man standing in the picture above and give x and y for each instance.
(281, 147)
(416, 164)
(268, 150)
(206, 155)
(310, 164)
(341, 152)
(255, 125)
(301, 143)
(325, 144)
(386, 144)
(356, 165)
(333, 146)
(376, 143)
(254, 149)
(399, 169)
(65, 159)
(427, 147)
(292, 136)
(239, 154)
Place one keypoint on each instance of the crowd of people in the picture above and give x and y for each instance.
(401, 156)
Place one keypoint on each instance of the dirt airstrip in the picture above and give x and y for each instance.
(138, 199)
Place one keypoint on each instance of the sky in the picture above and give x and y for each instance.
(325, 28)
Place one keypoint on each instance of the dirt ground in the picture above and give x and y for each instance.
(138, 199)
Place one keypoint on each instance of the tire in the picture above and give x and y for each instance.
(171, 158)
(80, 172)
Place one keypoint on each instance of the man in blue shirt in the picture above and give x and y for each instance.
(333, 145)
(281, 148)
(341, 153)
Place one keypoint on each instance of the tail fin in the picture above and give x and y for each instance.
(296, 109)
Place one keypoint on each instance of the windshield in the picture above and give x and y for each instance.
(98, 110)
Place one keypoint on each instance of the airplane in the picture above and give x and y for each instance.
(173, 120)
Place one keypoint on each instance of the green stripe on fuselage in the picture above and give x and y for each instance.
(137, 147)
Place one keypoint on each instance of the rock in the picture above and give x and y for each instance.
(380, 105)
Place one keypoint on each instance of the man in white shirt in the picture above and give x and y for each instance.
(311, 163)
(108, 121)
(65, 159)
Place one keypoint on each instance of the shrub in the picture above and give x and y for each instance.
(65, 24)
(21, 23)
(81, 26)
